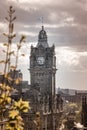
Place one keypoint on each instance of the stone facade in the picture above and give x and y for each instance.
(42, 95)
(84, 111)
(43, 64)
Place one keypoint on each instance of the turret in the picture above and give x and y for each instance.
(42, 38)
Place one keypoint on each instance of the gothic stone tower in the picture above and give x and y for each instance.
(43, 65)
(84, 111)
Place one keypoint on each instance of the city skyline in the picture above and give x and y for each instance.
(66, 27)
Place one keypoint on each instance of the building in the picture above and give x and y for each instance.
(43, 64)
(15, 80)
(42, 95)
(72, 95)
(84, 111)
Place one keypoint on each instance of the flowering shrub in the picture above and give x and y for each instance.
(10, 110)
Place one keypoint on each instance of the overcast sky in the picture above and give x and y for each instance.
(65, 22)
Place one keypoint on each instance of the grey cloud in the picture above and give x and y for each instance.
(71, 79)
(83, 62)
(73, 36)
(61, 36)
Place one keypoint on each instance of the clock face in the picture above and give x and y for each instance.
(40, 60)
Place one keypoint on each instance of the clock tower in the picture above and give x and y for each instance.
(43, 65)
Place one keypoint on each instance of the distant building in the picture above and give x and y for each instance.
(42, 95)
(71, 95)
(84, 111)
(15, 80)
(43, 64)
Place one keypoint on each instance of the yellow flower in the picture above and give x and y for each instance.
(8, 99)
(17, 104)
(25, 104)
(3, 95)
(9, 88)
(19, 118)
(13, 113)
(22, 105)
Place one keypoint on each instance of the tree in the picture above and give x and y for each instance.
(10, 110)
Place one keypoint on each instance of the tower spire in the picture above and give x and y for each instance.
(42, 37)
(42, 21)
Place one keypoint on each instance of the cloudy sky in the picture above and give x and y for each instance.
(65, 22)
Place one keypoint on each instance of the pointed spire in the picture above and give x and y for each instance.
(42, 38)
(41, 20)
(42, 27)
